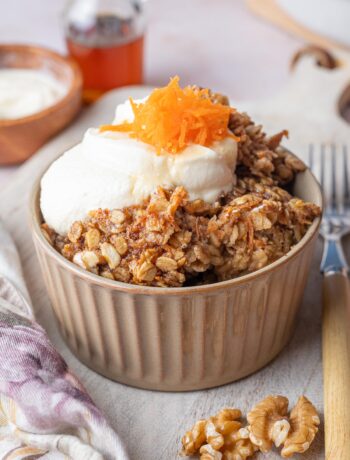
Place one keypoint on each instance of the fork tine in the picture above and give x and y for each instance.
(333, 191)
(346, 177)
(322, 175)
(322, 167)
(331, 166)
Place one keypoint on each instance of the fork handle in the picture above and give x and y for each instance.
(336, 365)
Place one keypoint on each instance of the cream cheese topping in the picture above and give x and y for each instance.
(112, 170)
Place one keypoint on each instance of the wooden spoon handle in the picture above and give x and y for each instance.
(336, 365)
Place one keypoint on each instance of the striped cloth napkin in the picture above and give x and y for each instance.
(45, 412)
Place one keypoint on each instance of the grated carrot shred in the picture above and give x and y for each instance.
(173, 118)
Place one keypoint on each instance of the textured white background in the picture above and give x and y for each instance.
(214, 43)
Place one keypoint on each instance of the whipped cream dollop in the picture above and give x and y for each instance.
(112, 170)
(27, 91)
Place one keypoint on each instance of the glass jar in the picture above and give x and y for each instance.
(105, 38)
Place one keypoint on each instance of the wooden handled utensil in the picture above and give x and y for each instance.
(333, 172)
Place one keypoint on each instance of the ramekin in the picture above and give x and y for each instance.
(178, 339)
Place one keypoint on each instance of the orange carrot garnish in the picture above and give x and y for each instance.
(173, 118)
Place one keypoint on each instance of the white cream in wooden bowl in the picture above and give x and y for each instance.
(24, 92)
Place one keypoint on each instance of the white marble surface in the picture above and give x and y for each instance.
(215, 43)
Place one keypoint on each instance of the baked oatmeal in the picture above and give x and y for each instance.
(183, 233)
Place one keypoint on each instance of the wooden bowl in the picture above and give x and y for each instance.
(21, 137)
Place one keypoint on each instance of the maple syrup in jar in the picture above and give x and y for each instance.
(105, 38)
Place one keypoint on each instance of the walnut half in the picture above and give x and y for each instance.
(304, 423)
(268, 422)
(213, 434)
(194, 438)
(241, 448)
(207, 452)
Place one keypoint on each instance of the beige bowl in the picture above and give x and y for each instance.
(178, 338)
(21, 137)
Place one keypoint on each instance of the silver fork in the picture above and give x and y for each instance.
(333, 174)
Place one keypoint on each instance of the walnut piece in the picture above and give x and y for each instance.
(240, 446)
(213, 437)
(90, 259)
(268, 422)
(207, 452)
(92, 238)
(110, 254)
(222, 436)
(120, 244)
(215, 432)
(75, 232)
(194, 438)
(117, 216)
(304, 423)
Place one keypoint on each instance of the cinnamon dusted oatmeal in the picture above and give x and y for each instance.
(176, 236)
(170, 241)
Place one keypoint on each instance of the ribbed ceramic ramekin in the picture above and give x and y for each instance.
(178, 338)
